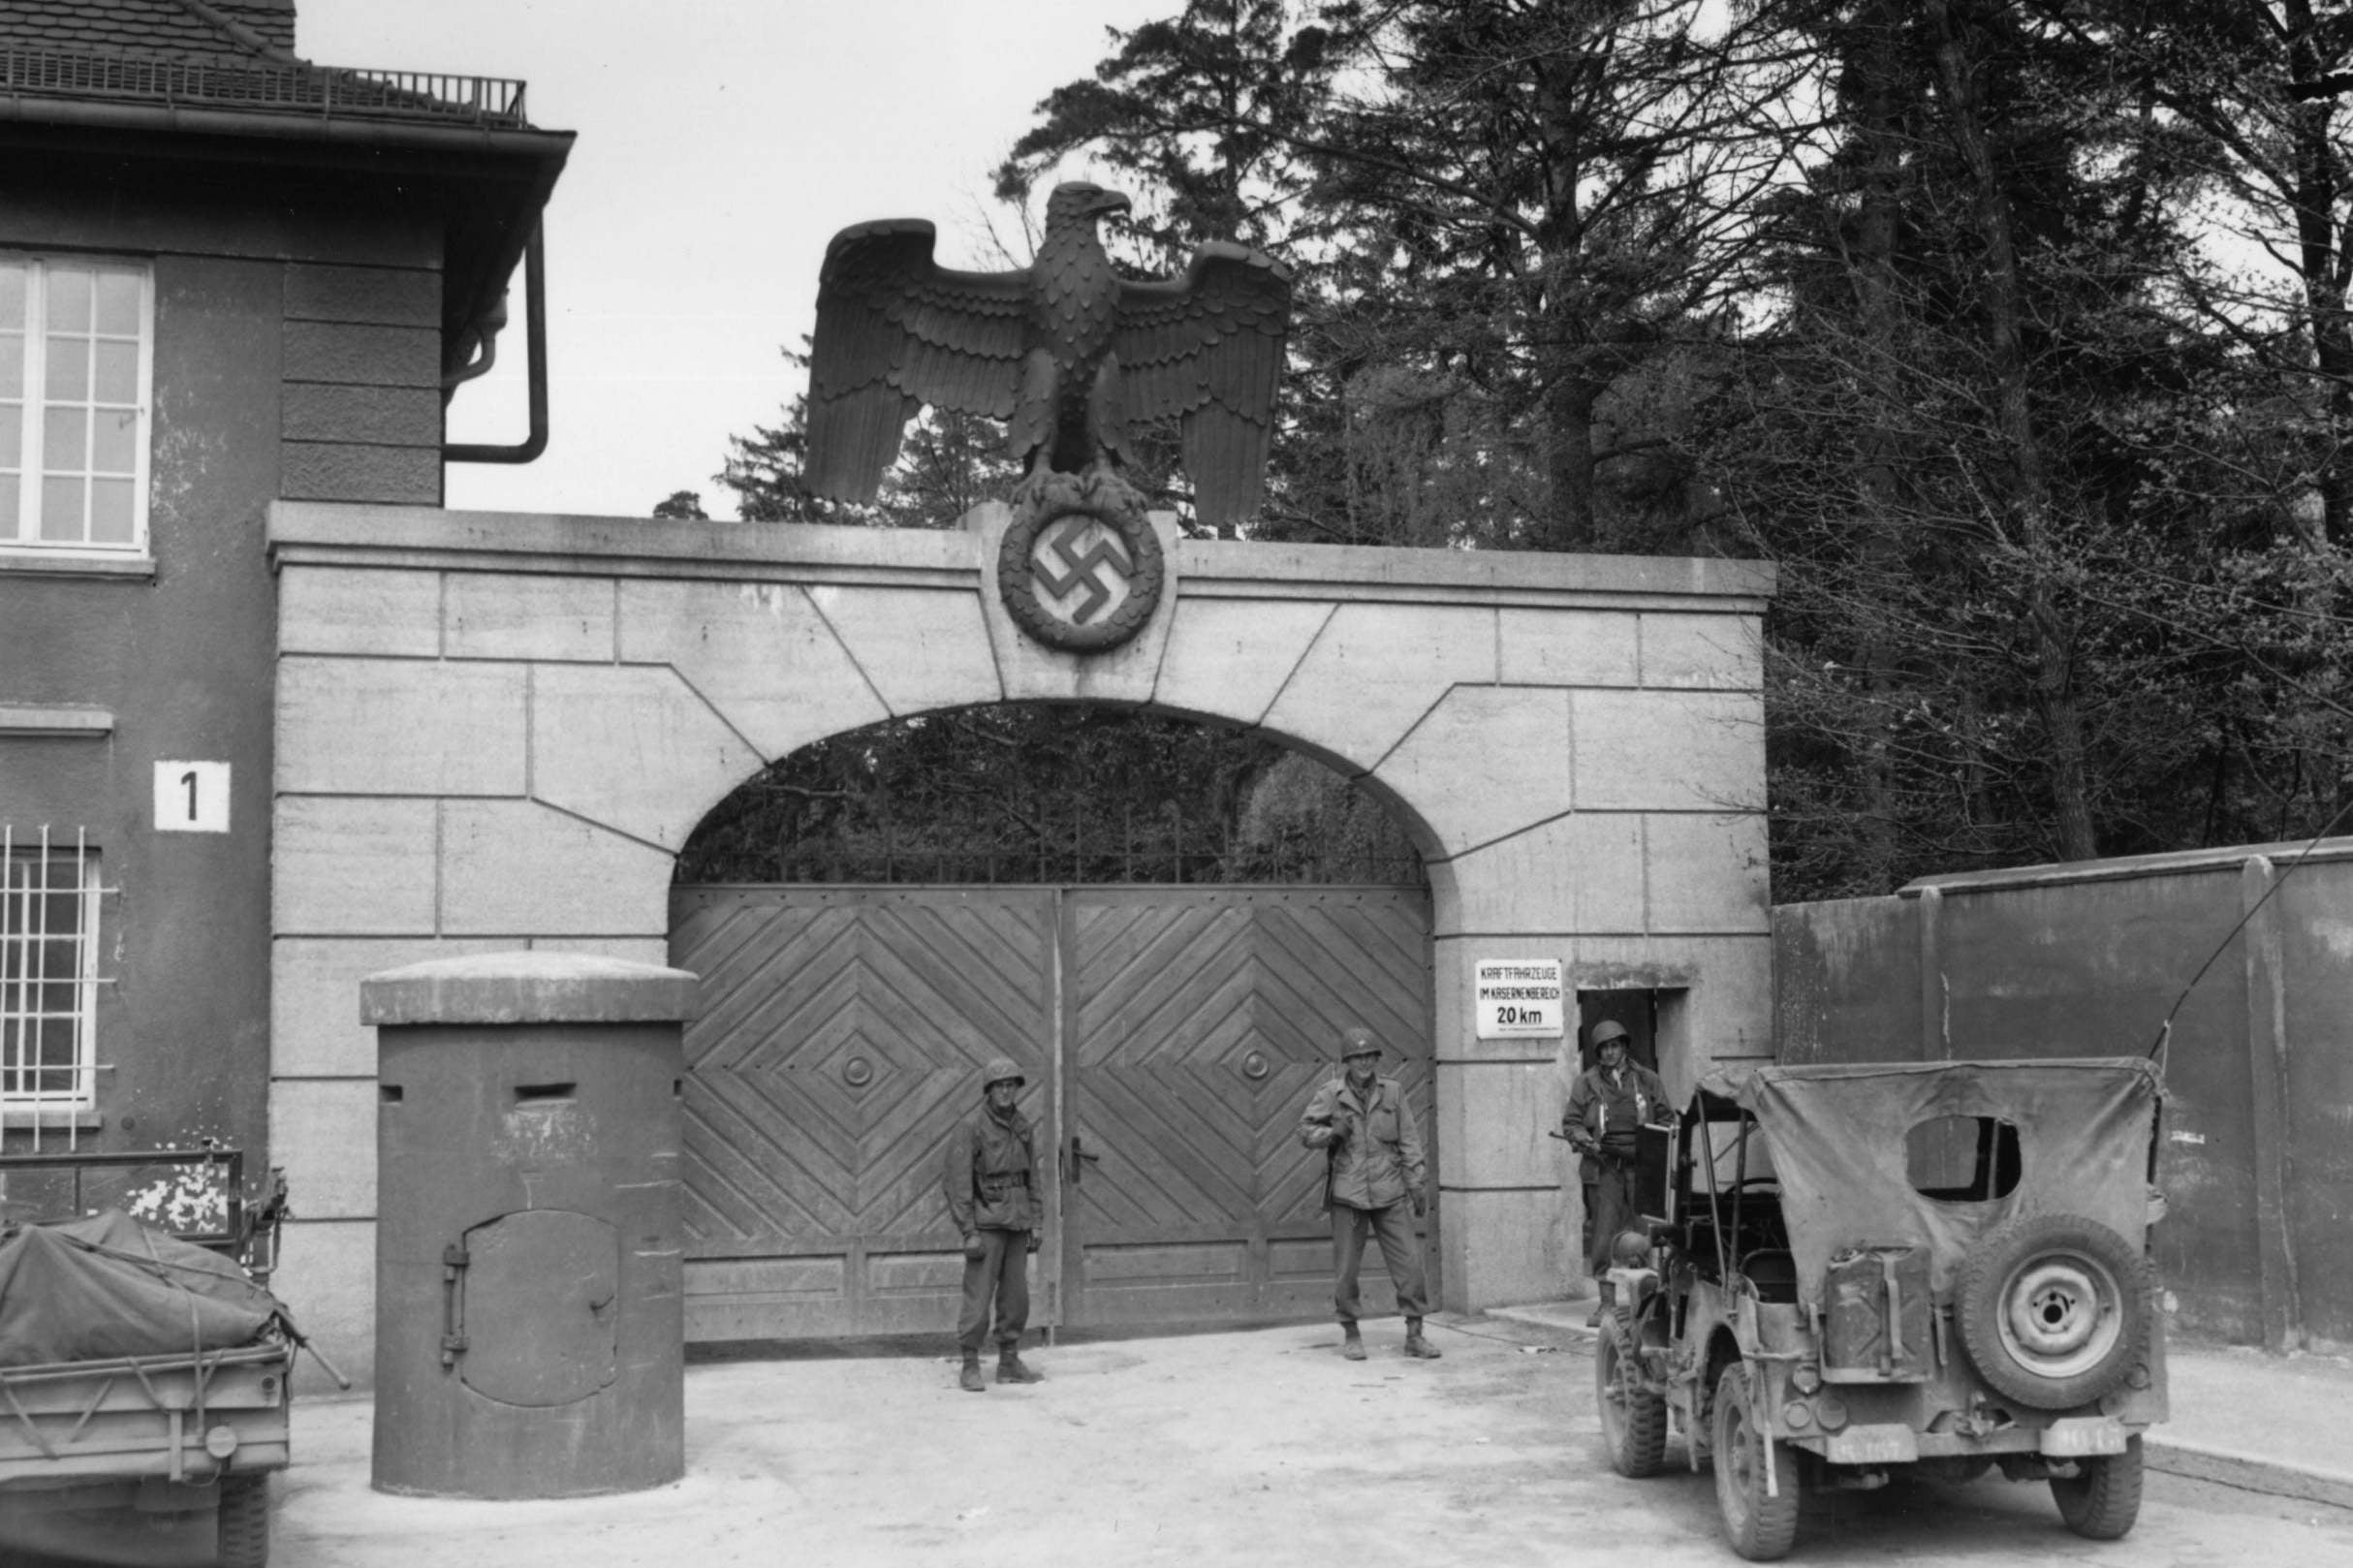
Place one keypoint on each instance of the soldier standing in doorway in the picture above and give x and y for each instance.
(994, 1196)
(1611, 1099)
(1372, 1182)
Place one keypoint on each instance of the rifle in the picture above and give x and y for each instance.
(1331, 1151)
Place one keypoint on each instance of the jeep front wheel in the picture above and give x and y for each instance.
(2054, 1310)
(1760, 1517)
(2102, 1499)
(1633, 1420)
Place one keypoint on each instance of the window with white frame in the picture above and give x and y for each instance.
(49, 977)
(75, 356)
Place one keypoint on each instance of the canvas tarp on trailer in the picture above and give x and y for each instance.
(108, 1286)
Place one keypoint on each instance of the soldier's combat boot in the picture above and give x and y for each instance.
(970, 1382)
(1416, 1346)
(1352, 1343)
(1011, 1369)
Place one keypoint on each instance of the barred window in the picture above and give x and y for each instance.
(76, 359)
(48, 978)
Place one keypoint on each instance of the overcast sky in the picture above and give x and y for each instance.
(722, 142)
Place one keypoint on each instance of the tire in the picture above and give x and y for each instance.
(2103, 1498)
(1760, 1527)
(1632, 1421)
(2054, 1309)
(245, 1521)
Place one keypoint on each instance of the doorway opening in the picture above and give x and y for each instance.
(1652, 1018)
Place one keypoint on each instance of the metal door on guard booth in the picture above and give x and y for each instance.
(1197, 1023)
(533, 1297)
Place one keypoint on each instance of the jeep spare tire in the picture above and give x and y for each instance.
(2054, 1310)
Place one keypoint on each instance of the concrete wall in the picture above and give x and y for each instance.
(497, 732)
(2089, 960)
(109, 666)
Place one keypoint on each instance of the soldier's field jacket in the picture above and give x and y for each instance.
(1603, 1113)
(991, 1173)
(1375, 1151)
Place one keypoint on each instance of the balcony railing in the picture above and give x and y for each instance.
(320, 92)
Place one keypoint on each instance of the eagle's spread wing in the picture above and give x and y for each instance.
(895, 331)
(1209, 346)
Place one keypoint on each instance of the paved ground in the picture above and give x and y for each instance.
(1253, 1448)
(2278, 1424)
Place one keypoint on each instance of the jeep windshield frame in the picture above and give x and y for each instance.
(1697, 1147)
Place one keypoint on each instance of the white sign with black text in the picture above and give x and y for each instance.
(191, 797)
(1518, 998)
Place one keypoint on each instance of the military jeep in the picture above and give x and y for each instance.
(1849, 1273)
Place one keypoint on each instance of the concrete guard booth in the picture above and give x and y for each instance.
(528, 1248)
(495, 731)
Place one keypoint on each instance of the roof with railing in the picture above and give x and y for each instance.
(183, 29)
(295, 88)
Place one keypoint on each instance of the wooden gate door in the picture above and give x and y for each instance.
(1196, 1024)
(841, 1036)
(1172, 1036)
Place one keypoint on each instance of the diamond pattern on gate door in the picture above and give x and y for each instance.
(1175, 1003)
(840, 1042)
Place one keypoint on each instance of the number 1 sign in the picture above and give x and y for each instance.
(191, 797)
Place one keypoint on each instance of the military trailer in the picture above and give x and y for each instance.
(144, 1365)
(1846, 1273)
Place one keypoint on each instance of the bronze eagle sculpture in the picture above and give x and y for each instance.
(1067, 354)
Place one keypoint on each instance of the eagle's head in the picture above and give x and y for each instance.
(1076, 202)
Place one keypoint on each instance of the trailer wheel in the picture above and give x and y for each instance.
(244, 1521)
(1633, 1420)
(2103, 1498)
(2054, 1309)
(1761, 1527)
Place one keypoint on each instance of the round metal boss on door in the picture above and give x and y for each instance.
(1254, 1066)
(1082, 576)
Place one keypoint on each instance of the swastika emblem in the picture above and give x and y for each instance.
(1080, 568)
(1080, 578)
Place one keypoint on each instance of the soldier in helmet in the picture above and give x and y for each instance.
(996, 1201)
(1372, 1182)
(1611, 1099)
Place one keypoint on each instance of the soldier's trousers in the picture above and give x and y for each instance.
(1000, 1272)
(1608, 1210)
(1400, 1250)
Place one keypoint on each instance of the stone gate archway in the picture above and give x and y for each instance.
(496, 731)
(878, 915)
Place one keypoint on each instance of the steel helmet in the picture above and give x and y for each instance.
(1357, 1042)
(1607, 1030)
(998, 1070)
